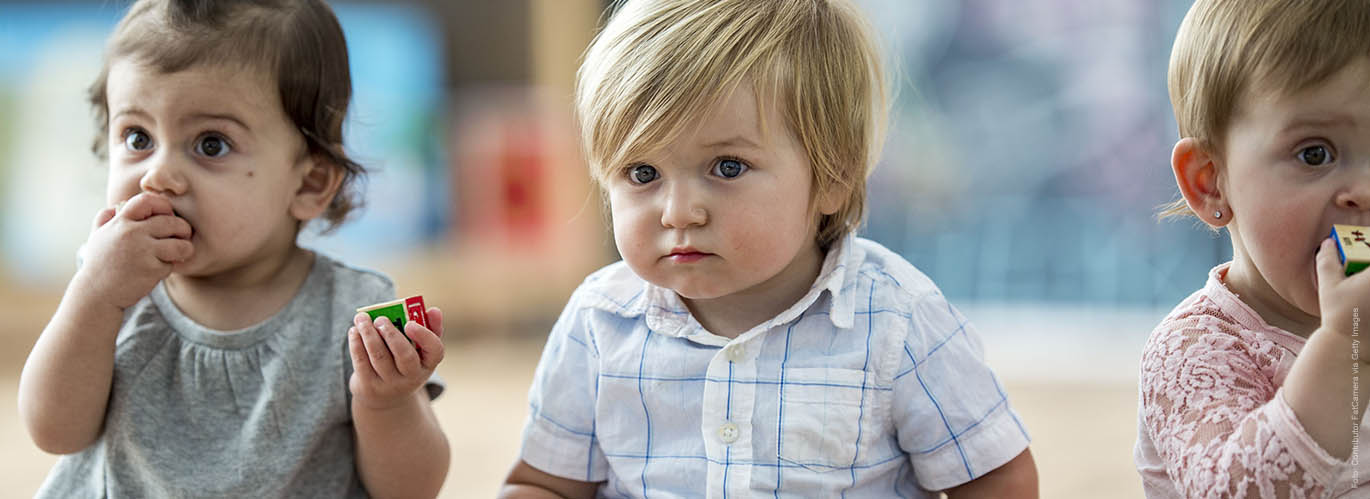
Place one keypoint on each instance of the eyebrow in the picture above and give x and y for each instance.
(219, 116)
(129, 110)
(1319, 121)
(134, 110)
(736, 141)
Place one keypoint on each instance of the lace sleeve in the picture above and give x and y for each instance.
(1218, 420)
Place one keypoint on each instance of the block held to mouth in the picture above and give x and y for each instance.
(1353, 247)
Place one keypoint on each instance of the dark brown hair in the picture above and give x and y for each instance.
(298, 43)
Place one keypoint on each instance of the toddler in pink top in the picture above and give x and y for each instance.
(1250, 387)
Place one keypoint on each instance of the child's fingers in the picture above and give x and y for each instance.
(406, 359)
(360, 362)
(376, 350)
(102, 218)
(429, 344)
(1329, 271)
(172, 250)
(145, 205)
(164, 226)
(435, 320)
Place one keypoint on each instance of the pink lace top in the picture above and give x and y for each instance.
(1212, 421)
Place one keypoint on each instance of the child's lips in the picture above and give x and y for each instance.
(687, 256)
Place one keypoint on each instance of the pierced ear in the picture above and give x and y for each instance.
(320, 183)
(1196, 173)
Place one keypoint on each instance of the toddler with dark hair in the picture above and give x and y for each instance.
(199, 351)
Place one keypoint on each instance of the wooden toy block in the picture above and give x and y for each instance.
(1353, 248)
(400, 312)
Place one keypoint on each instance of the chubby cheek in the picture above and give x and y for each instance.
(224, 216)
(120, 186)
(1282, 245)
(765, 242)
(783, 222)
(630, 230)
(1304, 284)
(759, 247)
(1301, 291)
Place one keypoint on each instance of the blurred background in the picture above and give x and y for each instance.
(1028, 152)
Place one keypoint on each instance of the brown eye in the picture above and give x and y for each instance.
(1315, 155)
(137, 140)
(212, 146)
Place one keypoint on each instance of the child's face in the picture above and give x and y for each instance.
(217, 143)
(722, 210)
(1296, 164)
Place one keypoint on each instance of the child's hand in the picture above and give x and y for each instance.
(387, 369)
(132, 249)
(1342, 300)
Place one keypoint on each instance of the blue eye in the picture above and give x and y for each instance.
(1317, 155)
(137, 140)
(213, 146)
(729, 168)
(642, 174)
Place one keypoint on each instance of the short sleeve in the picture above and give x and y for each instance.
(559, 435)
(951, 416)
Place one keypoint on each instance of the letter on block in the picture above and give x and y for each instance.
(400, 312)
(1352, 247)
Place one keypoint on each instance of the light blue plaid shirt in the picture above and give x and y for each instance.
(871, 385)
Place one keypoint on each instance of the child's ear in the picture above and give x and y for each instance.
(321, 181)
(1196, 173)
(830, 200)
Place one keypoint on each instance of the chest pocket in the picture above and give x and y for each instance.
(820, 417)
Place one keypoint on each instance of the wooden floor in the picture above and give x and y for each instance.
(1071, 378)
(1082, 433)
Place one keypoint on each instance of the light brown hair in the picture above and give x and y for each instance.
(1226, 49)
(298, 43)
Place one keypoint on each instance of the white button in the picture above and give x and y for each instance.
(736, 353)
(728, 433)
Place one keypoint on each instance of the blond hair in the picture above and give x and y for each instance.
(658, 63)
(1226, 49)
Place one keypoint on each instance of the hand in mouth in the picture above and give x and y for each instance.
(182, 217)
(119, 207)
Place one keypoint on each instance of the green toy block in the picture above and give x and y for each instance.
(1352, 247)
(400, 312)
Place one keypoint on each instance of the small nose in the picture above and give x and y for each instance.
(684, 207)
(164, 175)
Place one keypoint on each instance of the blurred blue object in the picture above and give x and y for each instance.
(51, 185)
(1030, 148)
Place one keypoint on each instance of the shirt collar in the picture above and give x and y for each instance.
(1246, 317)
(667, 314)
